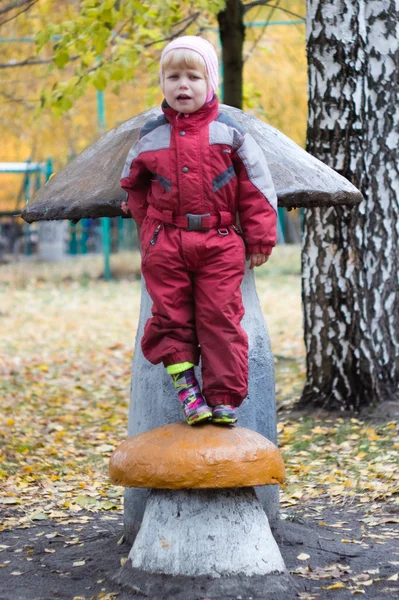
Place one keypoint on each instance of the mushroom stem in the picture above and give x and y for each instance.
(218, 532)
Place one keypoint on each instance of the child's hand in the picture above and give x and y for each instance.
(257, 260)
(125, 208)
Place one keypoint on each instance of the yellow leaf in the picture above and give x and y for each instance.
(393, 577)
(336, 490)
(303, 556)
(298, 495)
(336, 586)
(79, 563)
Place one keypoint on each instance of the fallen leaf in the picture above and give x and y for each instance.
(303, 556)
(38, 517)
(79, 563)
(10, 500)
(372, 571)
(105, 448)
(393, 577)
(336, 586)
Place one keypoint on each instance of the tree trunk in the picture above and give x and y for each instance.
(350, 258)
(232, 33)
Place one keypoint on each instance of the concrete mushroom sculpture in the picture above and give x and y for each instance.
(88, 187)
(203, 525)
(84, 189)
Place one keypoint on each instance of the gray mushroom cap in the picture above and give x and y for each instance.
(88, 187)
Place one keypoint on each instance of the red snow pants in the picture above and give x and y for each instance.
(193, 279)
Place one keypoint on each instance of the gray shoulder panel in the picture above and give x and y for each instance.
(133, 154)
(156, 138)
(224, 130)
(153, 124)
(223, 118)
(257, 169)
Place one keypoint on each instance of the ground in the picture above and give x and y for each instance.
(65, 367)
(331, 551)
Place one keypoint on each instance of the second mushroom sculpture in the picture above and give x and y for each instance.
(203, 526)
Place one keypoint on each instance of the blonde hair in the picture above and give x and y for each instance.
(183, 58)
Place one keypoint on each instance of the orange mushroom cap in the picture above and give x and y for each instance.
(177, 456)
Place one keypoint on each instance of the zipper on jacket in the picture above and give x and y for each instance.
(152, 241)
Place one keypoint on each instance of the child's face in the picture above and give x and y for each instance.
(185, 89)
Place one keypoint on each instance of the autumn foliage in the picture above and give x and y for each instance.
(50, 109)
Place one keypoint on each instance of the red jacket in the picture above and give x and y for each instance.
(202, 163)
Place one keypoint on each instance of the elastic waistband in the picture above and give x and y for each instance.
(193, 222)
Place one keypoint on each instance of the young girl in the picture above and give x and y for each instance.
(191, 173)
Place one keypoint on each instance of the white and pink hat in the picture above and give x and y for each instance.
(205, 50)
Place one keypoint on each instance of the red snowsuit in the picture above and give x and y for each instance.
(187, 177)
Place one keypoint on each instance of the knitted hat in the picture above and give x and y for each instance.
(205, 50)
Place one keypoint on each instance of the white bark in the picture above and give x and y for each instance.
(350, 258)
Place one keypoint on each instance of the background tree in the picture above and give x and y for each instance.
(232, 36)
(350, 259)
(110, 41)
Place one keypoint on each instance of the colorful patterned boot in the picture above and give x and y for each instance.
(224, 414)
(194, 406)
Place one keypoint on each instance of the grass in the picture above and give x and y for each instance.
(68, 287)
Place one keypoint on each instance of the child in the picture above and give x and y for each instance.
(191, 172)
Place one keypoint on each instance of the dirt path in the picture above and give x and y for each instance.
(350, 553)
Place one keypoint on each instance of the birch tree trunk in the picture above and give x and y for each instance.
(350, 281)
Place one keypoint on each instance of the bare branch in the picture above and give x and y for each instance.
(30, 4)
(30, 61)
(256, 42)
(247, 7)
(25, 63)
(13, 5)
(192, 20)
(11, 98)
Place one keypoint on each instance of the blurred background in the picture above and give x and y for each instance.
(38, 141)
